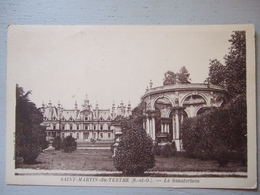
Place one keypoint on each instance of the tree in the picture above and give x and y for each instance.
(232, 75)
(181, 77)
(30, 136)
(134, 153)
(221, 133)
(169, 78)
(69, 144)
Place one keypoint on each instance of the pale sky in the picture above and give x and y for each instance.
(64, 63)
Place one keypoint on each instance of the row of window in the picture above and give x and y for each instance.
(86, 135)
(86, 127)
(71, 119)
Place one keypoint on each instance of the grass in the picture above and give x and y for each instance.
(101, 160)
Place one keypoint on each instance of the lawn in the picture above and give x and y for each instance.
(101, 160)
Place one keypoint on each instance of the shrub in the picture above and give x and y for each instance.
(223, 155)
(168, 149)
(156, 149)
(57, 143)
(165, 151)
(69, 144)
(212, 135)
(134, 153)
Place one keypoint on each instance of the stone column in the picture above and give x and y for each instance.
(147, 126)
(173, 127)
(177, 125)
(153, 128)
(162, 130)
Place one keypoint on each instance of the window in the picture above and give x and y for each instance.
(63, 127)
(77, 135)
(108, 128)
(101, 135)
(86, 127)
(101, 127)
(62, 135)
(86, 135)
(94, 127)
(86, 118)
(109, 135)
(54, 127)
(70, 127)
(77, 127)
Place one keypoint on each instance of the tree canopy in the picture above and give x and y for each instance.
(29, 134)
(180, 77)
(232, 74)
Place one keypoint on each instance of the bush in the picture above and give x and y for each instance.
(134, 153)
(69, 144)
(57, 143)
(223, 155)
(212, 135)
(168, 150)
(156, 149)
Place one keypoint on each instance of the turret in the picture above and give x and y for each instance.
(151, 84)
(129, 106)
(86, 101)
(76, 105)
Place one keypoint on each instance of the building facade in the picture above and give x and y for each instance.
(166, 107)
(85, 123)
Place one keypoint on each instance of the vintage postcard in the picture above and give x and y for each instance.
(131, 106)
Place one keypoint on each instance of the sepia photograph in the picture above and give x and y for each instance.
(131, 106)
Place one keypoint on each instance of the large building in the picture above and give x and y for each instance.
(167, 106)
(85, 123)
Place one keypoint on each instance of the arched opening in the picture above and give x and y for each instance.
(193, 103)
(163, 120)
